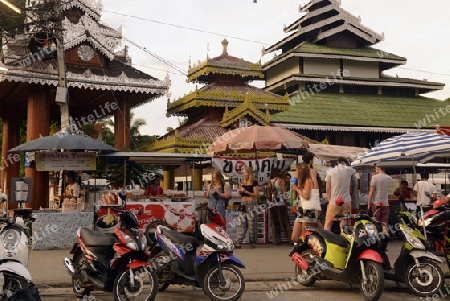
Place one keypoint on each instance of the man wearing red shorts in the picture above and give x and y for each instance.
(379, 192)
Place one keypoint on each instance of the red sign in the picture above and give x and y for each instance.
(178, 215)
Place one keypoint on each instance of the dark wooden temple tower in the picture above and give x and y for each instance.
(100, 79)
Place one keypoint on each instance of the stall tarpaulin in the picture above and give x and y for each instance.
(233, 166)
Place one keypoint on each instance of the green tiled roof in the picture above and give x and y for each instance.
(367, 52)
(365, 110)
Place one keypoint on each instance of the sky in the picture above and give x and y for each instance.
(172, 33)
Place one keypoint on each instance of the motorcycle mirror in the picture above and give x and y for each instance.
(339, 201)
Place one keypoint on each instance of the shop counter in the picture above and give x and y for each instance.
(57, 230)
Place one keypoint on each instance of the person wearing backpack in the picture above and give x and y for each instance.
(218, 193)
(278, 209)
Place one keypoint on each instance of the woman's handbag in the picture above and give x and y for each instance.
(314, 201)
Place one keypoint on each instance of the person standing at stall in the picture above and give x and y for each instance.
(154, 188)
(379, 192)
(218, 193)
(248, 215)
(73, 189)
(425, 192)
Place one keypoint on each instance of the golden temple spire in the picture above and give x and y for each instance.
(225, 45)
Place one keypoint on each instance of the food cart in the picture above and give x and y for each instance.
(174, 208)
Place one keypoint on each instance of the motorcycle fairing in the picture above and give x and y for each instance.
(336, 255)
(137, 263)
(419, 253)
(167, 244)
(223, 258)
(15, 267)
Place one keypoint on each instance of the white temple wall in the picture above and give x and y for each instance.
(362, 69)
(320, 66)
(283, 70)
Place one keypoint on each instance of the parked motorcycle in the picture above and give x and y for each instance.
(215, 269)
(15, 279)
(120, 264)
(351, 257)
(416, 265)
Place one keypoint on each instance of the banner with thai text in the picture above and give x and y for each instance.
(233, 167)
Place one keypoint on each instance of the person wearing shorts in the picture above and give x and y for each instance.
(379, 192)
(338, 186)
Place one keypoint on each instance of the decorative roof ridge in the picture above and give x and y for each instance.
(348, 128)
(306, 7)
(296, 24)
(346, 26)
(294, 53)
(106, 40)
(243, 109)
(92, 8)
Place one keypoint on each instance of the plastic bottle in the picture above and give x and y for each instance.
(292, 200)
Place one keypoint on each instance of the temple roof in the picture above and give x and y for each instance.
(92, 8)
(324, 19)
(423, 86)
(227, 95)
(365, 113)
(225, 64)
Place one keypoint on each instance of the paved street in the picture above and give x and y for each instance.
(268, 267)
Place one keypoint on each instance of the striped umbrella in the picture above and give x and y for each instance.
(406, 150)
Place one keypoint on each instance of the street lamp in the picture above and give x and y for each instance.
(11, 6)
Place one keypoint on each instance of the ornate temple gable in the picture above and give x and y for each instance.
(247, 108)
(324, 19)
(232, 96)
(92, 8)
(224, 65)
(104, 39)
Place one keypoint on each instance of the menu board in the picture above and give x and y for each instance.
(48, 161)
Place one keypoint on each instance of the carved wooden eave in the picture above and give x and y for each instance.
(319, 29)
(91, 7)
(230, 99)
(247, 108)
(104, 39)
(225, 65)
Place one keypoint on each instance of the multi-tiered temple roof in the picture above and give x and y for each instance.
(225, 101)
(336, 82)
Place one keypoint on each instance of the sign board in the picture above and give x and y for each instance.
(48, 161)
(21, 190)
(233, 167)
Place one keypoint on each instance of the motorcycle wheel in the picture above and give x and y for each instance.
(373, 288)
(160, 260)
(76, 283)
(302, 276)
(425, 281)
(234, 283)
(145, 285)
(13, 284)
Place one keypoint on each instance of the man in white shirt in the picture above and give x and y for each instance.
(425, 192)
(338, 186)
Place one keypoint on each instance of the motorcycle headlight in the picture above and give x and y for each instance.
(11, 239)
(421, 222)
(371, 230)
(130, 241)
(412, 239)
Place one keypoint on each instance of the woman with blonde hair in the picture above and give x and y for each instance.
(248, 215)
(304, 190)
(218, 193)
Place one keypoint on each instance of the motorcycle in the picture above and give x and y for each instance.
(15, 279)
(415, 266)
(351, 257)
(120, 264)
(436, 224)
(215, 269)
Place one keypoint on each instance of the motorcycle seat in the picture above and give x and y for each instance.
(178, 237)
(93, 238)
(331, 237)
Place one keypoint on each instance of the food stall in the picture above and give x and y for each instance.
(176, 208)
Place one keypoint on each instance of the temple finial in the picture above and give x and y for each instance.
(225, 46)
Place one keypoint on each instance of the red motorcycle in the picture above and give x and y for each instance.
(118, 264)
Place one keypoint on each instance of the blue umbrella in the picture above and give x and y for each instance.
(406, 150)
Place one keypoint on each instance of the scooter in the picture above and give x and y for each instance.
(15, 279)
(351, 257)
(415, 266)
(215, 269)
(120, 264)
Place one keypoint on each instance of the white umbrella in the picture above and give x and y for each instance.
(406, 150)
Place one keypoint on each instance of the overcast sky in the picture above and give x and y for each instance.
(181, 30)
